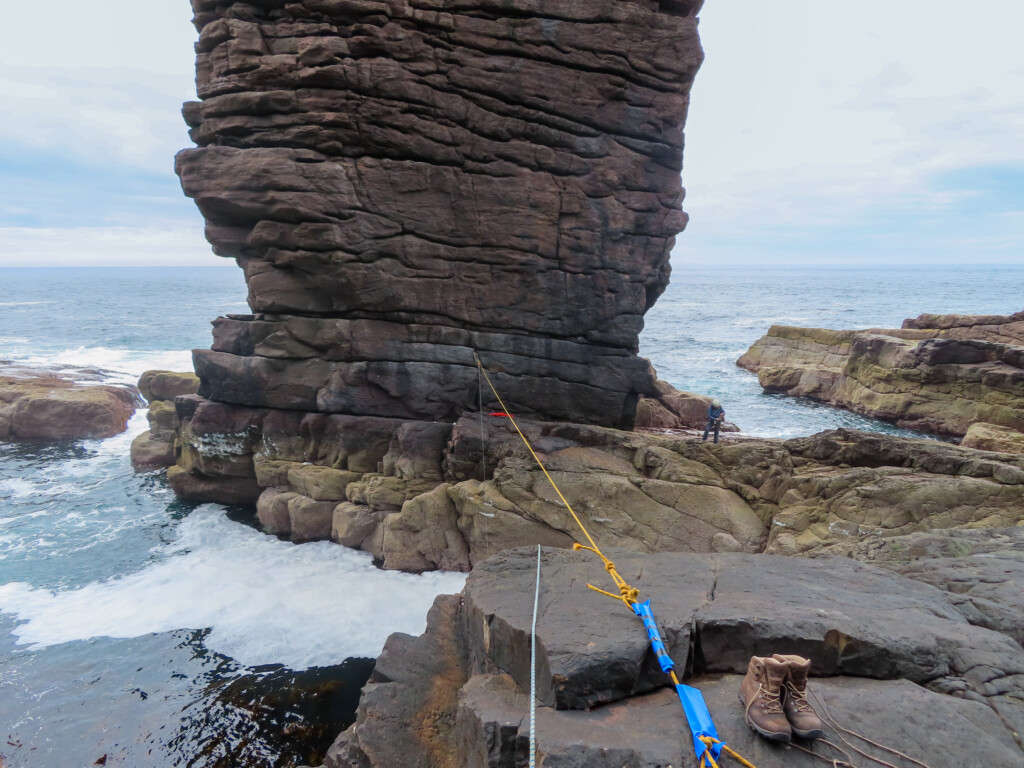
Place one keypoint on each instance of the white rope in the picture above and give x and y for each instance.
(480, 407)
(533, 669)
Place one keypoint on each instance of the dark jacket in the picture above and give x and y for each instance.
(714, 413)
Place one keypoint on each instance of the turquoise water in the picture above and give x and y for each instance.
(163, 633)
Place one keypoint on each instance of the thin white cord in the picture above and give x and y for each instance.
(483, 439)
(533, 669)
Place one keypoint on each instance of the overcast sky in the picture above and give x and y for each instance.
(819, 132)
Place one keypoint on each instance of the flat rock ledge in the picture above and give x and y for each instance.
(893, 658)
(56, 405)
(436, 495)
(938, 373)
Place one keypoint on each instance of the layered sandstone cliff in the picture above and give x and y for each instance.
(405, 182)
(939, 373)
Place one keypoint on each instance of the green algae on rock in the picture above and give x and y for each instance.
(938, 373)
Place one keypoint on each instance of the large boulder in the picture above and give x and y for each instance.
(47, 406)
(408, 184)
(991, 437)
(160, 385)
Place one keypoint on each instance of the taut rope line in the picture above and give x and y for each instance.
(703, 732)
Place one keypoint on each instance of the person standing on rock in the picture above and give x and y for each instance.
(716, 415)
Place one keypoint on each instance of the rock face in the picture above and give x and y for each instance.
(903, 665)
(990, 437)
(49, 406)
(406, 182)
(154, 448)
(938, 373)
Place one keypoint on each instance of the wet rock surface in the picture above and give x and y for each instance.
(893, 659)
(938, 373)
(61, 404)
(407, 182)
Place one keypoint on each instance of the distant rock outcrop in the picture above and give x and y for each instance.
(52, 405)
(905, 665)
(938, 373)
(405, 182)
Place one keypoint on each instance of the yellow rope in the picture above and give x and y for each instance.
(627, 594)
(608, 564)
(710, 742)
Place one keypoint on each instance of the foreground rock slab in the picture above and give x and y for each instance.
(938, 373)
(902, 664)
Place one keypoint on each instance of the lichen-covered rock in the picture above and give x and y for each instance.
(407, 183)
(423, 495)
(938, 373)
(863, 485)
(991, 437)
(46, 406)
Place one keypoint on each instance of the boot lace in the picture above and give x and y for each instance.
(799, 698)
(772, 703)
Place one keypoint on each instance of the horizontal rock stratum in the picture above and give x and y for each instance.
(422, 496)
(938, 373)
(405, 182)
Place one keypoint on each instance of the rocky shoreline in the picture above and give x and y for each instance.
(879, 523)
(938, 373)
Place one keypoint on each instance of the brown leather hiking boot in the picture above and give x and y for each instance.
(801, 715)
(760, 692)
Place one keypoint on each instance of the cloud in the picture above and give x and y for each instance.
(812, 133)
(824, 135)
(122, 115)
(156, 244)
(53, 187)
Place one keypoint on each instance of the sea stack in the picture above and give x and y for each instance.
(408, 182)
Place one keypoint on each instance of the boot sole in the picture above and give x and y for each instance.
(815, 733)
(780, 737)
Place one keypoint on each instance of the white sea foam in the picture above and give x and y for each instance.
(113, 366)
(17, 488)
(24, 303)
(266, 601)
(123, 366)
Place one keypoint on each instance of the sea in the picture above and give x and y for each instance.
(140, 630)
